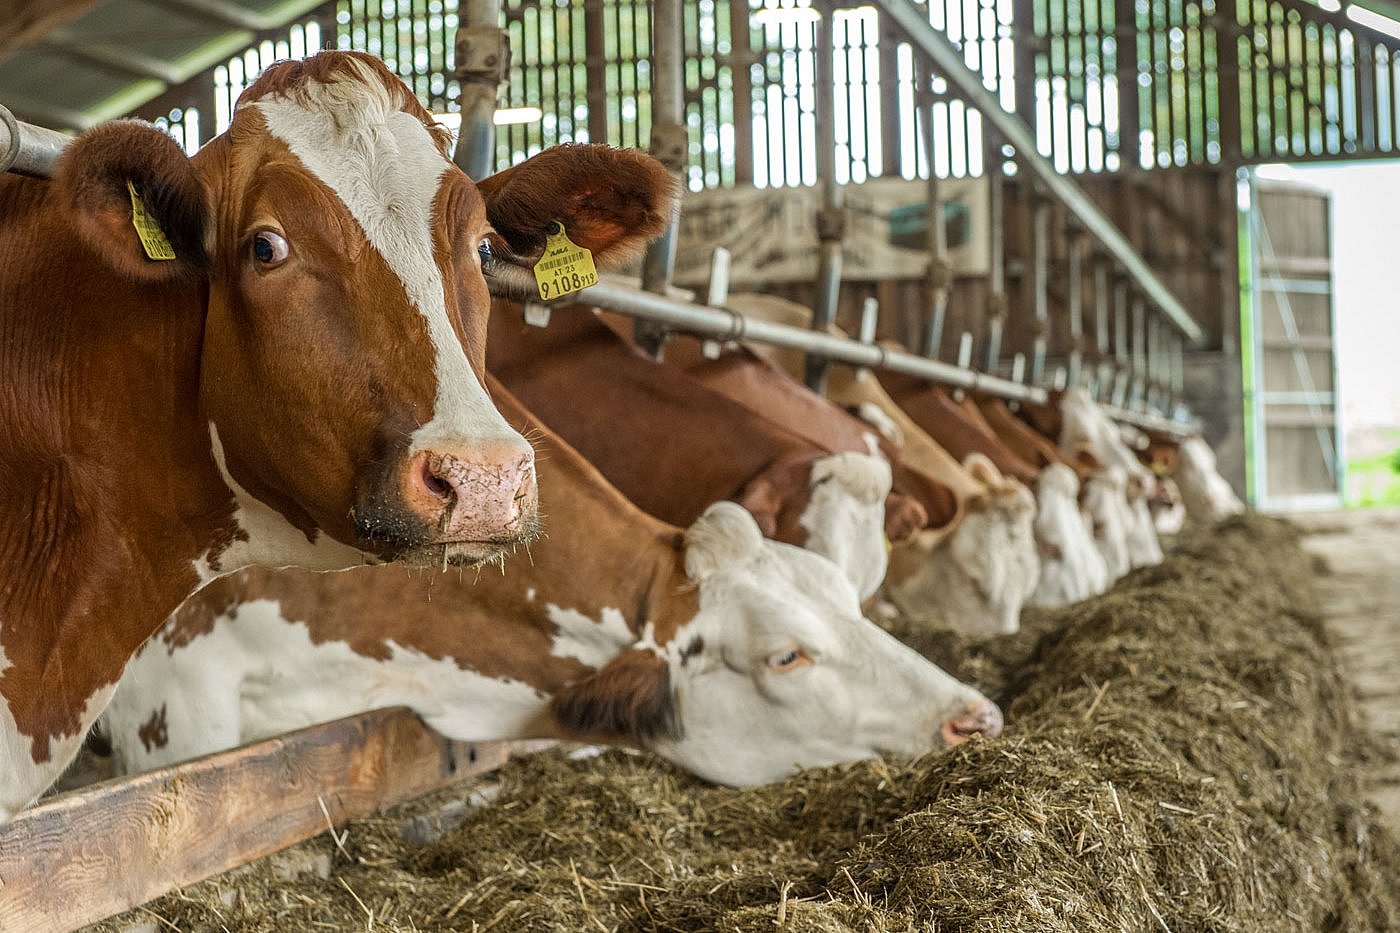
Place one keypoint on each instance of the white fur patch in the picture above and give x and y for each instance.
(384, 166)
(258, 675)
(725, 534)
(845, 518)
(21, 779)
(592, 642)
(1071, 567)
(272, 540)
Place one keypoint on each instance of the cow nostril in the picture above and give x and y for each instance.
(435, 484)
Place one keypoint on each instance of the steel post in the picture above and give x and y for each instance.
(670, 144)
(831, 217)
(1040, 272)
(26, 149)
(482, 61)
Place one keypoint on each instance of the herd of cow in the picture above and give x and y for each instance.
(318, 379)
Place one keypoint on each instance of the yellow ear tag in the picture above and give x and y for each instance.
(565, 267)
(152, 237)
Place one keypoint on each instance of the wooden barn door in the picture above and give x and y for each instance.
(1296, 457)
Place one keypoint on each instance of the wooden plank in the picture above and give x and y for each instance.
(88, 854)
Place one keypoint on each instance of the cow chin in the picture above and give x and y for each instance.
(465, 553)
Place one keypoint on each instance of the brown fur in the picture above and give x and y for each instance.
(669, 444)
(628, 700)
(115, 366)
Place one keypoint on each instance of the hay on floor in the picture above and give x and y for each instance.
(1179, 755)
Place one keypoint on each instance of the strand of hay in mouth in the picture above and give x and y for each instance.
(1178, 756)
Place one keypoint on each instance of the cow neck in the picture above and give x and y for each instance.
(600, 558)
(669, 444)
(111, 490)
(934, 409)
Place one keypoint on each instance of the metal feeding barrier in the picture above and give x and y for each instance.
(1136, 373)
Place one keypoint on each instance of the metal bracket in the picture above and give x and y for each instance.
(536, 313)
(670, 145)
(831, 223)
(482, 55)
(12, 129)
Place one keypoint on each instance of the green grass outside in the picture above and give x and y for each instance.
(1374, 480)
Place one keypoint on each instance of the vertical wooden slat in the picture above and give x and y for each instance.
(1129, 121)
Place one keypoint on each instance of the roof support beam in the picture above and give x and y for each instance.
(23, 22)
(227, 13)
(125, 61)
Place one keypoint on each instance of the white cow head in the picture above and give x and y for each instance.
(1207, 495)
(845, 518)
(977, 578)
(1071, 567)
(778, 671)
(1106, 511)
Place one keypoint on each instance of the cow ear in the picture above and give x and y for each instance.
(728, 531)
(984, 470)
(96, 176)
(610, 201)
(628, 700)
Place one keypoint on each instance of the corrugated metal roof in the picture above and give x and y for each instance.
(119, 54)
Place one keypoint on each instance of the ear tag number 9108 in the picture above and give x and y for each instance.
(565, 267)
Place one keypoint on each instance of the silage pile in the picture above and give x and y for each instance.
(1178, 756)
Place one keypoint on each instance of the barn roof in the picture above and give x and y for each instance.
(68, 64)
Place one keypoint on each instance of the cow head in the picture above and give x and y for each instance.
(777, 671)
(977, 578)
(1105, 504)
(344, 257)
(1071, 567)
(1206, 494)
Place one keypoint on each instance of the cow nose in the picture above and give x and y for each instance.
(480, 496)
(980, 717)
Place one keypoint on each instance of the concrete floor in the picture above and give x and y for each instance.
(1361, 599)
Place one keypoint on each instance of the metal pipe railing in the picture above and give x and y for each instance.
(912, 21)
(481, 58)
(831, 216)
(723, 324)
(27, 149)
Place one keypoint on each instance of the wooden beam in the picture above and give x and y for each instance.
(91, 853)
(26, 21)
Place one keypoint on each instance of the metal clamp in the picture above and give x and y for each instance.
(8, 160)
(831, 224)
(670, 145)
(482, 55)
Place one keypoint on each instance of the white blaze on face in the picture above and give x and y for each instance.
(256, 675)
(593, 642)
(857, 693)
(845, 517)
(384, 166)
(1071, 567)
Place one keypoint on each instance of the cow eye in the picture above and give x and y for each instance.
(483, 249)
(270, 248)
(788, 659)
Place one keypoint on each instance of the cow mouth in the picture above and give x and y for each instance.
(465, 552)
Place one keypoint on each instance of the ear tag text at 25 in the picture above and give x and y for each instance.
(153, 239)
(565, 267)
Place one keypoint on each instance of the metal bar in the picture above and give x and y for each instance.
(26, 149)
(912, 21)
(669, 143)
(722, 324)
(741, 61)
(1075, 298)
(831, 217)
(482, 54)
(1040, 285)
(939, 272)
(1138, 347)
(122, 60)
(996, 283)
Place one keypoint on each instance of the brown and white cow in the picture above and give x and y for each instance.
(1083, 426)
(300, 385)
(972, 569)
(673, 447)
(737, 658)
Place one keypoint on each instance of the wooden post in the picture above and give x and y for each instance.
(740, 61)
(1129, 118)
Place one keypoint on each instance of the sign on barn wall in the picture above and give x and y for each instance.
(771, 233)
